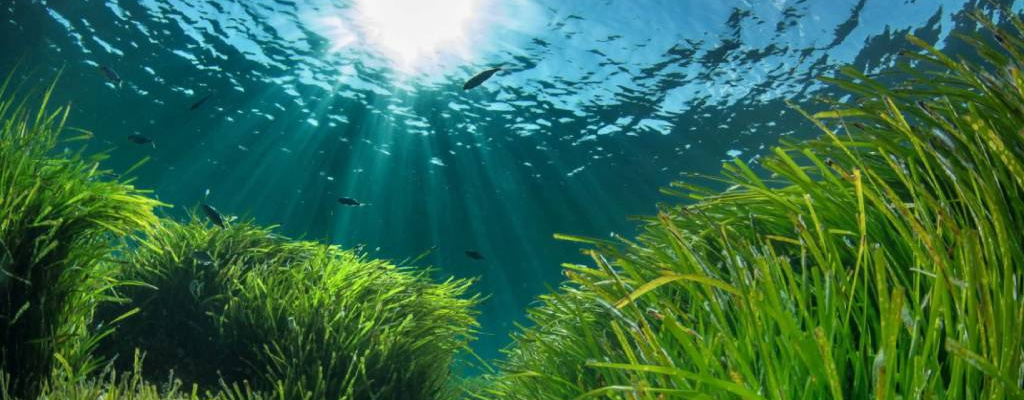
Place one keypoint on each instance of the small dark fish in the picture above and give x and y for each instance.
(474, 255)
(213, 215)
(111, 75)
(140, 139)
(480, 78)
(348, 201)
(202, 257)
(200, 102)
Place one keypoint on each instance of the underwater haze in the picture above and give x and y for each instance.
(347, 121)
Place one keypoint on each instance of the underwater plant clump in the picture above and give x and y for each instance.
(295, 319)
(111, 384)
(59, 216)
(883, 260)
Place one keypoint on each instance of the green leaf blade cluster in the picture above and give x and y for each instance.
(882, 260)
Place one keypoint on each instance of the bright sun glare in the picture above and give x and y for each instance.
(405, 31)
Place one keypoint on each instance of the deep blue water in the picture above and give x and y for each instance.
(600, 104)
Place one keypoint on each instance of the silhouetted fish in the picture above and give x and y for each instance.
(202, 257)
(213, 215)
(480, 78)
(111, 75)
(140, 139)
(474, 255)
(200, 102)
(348, 201)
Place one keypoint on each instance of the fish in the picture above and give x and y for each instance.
(111, 75)
(348, 201)
(200, 102)
(140, 139)
(478, 79)
(202, 257)
(213, 215)
(474, 255)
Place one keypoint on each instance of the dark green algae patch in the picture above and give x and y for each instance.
(881, 260)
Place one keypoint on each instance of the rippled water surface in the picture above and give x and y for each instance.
(599, 104)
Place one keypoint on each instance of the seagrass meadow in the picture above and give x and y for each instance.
(879, 256)
(882, 260)
(99, 293)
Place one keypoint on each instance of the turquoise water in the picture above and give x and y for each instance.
(598, 105)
